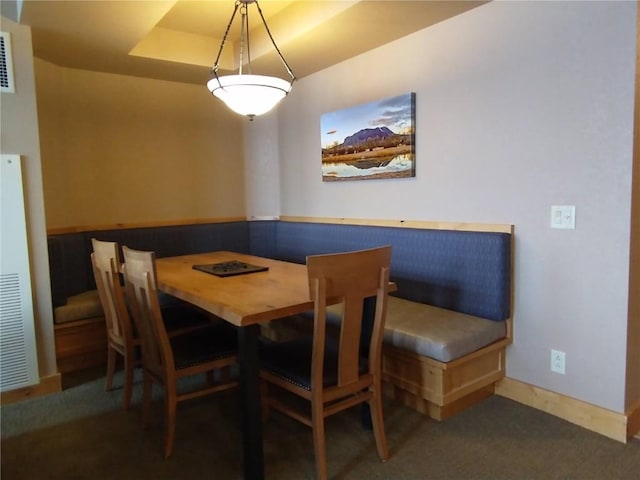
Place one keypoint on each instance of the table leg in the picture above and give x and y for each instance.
(368, 317)
(250, 402)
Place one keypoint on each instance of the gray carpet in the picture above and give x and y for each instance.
(82, 433)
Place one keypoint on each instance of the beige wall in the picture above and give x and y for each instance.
(118, 149)
(100, 149)
(504, 130)
(19, 135)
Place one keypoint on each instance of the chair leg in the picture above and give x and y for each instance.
(147, 390)
(377, 419)
(170, 404)
(111, 367)
(317, 420)
(129, 365)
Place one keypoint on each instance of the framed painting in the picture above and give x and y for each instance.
(370, 141)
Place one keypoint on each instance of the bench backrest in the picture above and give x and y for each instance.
(465, 271)
(69, 253)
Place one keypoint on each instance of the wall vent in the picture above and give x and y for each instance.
(18, 353)
(6, 64)
(13, 355)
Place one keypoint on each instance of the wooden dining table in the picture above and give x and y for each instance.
(245, 300)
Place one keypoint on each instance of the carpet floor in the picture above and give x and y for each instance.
(82, 433)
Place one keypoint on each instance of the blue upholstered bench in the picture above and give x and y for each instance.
(79, 324)
(448, 323)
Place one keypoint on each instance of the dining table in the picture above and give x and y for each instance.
(247, 291)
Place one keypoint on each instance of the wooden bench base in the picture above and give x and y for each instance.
(439, 389)
(434, 411)
(81, 344)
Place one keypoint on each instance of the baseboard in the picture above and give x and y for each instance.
(592, 417)
(47, 385)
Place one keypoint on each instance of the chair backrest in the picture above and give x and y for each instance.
(106, 263)
(349, 278)
(140, 280)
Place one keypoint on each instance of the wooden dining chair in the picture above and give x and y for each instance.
(122, 338)
(166, 360)
(334, 374)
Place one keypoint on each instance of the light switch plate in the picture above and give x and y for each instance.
(563, 216)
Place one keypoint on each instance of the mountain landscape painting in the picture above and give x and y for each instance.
(371, 141)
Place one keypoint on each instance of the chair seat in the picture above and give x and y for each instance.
(291, 361)
(204, 345)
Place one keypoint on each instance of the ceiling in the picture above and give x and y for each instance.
(178, 40)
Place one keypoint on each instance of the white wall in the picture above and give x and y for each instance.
(262, 178)
(520, 106)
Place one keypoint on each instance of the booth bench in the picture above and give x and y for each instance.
(448, 322)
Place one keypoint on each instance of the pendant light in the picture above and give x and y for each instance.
(246, 93)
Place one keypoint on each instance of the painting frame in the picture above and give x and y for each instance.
(370, 141)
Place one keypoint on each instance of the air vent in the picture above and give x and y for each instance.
(6, 64)
(15, 365)
(18, 353)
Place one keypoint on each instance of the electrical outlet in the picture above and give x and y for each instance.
(558, 362)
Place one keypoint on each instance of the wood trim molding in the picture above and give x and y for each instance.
(462, 226)
(633, 421)
(419, 224)
(47, 385)
(592, 417)
(633, 317)
(150, 224)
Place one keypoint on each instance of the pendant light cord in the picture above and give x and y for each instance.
(245, 24)
(284, 62)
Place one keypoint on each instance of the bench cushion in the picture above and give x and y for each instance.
(83, 306)
(430, 331)
(437, 333)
